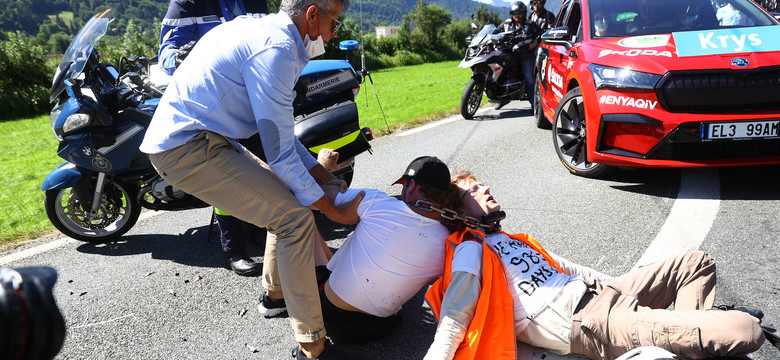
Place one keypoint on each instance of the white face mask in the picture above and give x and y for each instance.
(314, 48)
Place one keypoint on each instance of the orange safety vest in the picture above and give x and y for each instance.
(491, 333)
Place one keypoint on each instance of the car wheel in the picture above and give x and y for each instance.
(541, 120)
(569, 136)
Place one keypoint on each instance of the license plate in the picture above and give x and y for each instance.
(740, 130)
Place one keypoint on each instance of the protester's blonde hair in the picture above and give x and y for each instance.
(454, 203)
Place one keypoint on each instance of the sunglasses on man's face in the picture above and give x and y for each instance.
(514, 12)
(335, 25)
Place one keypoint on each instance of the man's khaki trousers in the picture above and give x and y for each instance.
(210, 168)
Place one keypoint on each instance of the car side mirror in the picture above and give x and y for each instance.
(558, 36)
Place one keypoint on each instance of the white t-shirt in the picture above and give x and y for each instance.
(532, 282)
(390, 256)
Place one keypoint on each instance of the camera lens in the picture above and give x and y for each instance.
(31, 325)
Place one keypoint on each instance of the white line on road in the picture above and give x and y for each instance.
(436, 123)
(690, 218)
(51, 245)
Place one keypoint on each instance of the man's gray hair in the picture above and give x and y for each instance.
(297, 7)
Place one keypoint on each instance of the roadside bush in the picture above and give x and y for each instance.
(24, 78)
(405, 58)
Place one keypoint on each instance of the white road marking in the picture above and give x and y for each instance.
(436, 123)
(61, 241)
(35, 250)
(690, 218)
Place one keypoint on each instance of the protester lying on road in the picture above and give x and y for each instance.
(395, 250)
(499, 288)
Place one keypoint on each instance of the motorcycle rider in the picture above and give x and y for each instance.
(525, 42)
(543, 18)
(184, 24)
(187, 20)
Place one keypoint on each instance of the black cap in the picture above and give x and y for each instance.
(429, 171)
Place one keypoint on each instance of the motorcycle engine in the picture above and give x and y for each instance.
(166, 192)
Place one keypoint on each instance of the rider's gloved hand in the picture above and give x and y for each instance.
(182, 52)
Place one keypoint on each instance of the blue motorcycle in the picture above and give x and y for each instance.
(101, 116)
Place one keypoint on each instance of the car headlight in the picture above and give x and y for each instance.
(605, 76)
(76, 121)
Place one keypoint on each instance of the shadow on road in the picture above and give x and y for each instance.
(505, 113)
(750, 183)
(736, 183)
(653, 182)
(188, 248)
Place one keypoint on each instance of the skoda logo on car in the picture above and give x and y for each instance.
(740, 62)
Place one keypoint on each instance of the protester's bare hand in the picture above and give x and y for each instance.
(328, 158)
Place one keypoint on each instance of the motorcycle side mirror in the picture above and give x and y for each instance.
(73, 88)
(559, 36)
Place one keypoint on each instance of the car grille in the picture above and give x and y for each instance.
(711, 91)
(716, 150)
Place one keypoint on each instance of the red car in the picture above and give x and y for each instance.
(660, 83)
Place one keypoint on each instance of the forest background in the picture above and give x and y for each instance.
(35, 34)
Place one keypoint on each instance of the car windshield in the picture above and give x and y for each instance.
(618, 18)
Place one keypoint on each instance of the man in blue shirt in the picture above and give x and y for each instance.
(238, 81)
(184, 24)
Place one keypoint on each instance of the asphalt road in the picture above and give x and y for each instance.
(164, 292)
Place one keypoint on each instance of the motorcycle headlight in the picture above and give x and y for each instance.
(610, 77)
(76, 121)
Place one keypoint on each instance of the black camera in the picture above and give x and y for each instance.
(31, 325)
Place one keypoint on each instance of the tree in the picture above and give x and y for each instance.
(486, 16)
(456, 32)
(24, 78)
(429, 21)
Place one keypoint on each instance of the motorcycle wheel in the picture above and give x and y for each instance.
(119, 211)
(569, 137)
(472, 97)
(541, 120)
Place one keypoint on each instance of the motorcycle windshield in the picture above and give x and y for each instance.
(77, 55)
(486, 31)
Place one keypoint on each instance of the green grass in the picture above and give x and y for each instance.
(409, 96)
(27, 154)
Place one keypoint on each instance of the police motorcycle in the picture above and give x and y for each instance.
(101, 116)
(488, 57)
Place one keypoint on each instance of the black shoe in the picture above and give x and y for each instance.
(751, 310)
(243, 265)
(771, 336)
(270, 307)
(330, 352)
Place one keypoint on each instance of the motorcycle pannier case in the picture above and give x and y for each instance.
(335, 127)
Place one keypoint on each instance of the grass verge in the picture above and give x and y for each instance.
(28, 153)
(409, 96)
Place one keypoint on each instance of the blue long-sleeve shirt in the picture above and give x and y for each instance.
(188, 20)
(237, 81)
